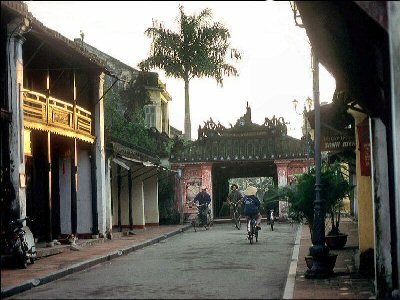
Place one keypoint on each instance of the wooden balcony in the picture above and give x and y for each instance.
(59, 117)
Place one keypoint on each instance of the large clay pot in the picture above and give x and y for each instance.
(330, 263)
(336, 242)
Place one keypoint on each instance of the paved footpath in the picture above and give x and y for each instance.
(50, 268)
(346, 284)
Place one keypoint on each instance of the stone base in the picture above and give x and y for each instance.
(309, 274)
(320, 267)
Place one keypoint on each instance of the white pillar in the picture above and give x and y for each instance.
(138, 202)
(108, 194)
(100, 155)
(394, 48)
(15, 100)
(151, 211)
(282, 169)
(380, 196)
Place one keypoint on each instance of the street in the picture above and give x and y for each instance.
(218, 263)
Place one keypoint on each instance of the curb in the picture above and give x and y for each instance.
(11, 291)
(291, 277)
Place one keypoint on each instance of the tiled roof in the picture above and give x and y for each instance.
(22, 9)
(18, 7)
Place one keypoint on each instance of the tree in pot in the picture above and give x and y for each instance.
(338, 188)
(301, 195)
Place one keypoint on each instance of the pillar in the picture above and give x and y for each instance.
(282, 170)
(15, 106)
(364, 194)
(394, 50)
(380, 190)
(108, 194)
(100, 157)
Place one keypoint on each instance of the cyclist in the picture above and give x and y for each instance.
(203, 199)
(234, 197)
(252, 205)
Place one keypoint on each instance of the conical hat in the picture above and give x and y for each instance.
(250, 191)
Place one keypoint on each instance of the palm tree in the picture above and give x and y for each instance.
(198, 50)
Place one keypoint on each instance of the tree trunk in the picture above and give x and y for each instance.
(188, 125)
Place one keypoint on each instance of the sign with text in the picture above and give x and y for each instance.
(335, 141)
(365, 151)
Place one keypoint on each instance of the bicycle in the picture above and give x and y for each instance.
(252, 231)
(236, 215)
(200, 221)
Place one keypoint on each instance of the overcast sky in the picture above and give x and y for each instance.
(275, 65)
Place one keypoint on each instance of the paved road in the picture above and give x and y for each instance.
(218, 263)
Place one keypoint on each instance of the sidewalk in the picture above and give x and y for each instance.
(92, 252)
(346, 283)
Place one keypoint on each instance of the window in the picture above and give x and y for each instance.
(150, 115)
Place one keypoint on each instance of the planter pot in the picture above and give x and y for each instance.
(336, 242)
(330, 261)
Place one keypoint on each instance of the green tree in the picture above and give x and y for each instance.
(301, 195)
(199, 50)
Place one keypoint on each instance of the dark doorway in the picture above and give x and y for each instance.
(37, 182)
(222, 172)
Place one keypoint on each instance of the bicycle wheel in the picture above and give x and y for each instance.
(194, 225)
(237, 220)
(256, 234)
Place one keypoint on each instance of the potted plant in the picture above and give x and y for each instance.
(337, 189)
(301, 195)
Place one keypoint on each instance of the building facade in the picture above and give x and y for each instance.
(54, 153)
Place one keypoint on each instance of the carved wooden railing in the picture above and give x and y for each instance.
(40, 109)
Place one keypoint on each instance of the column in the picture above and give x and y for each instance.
(100, 159)
(15, 106)
(380, 190)
(108, 194)
(282, 170)
(364, 189)
(130, 199)
(394, 48)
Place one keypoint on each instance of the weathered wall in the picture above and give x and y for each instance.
(150, 189)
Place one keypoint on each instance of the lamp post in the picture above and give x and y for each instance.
(308, 102)
(319, 251)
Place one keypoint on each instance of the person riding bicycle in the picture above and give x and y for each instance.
(203, 199)
(234, 197)
(252, 205)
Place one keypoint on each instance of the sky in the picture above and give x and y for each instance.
(275, 67)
